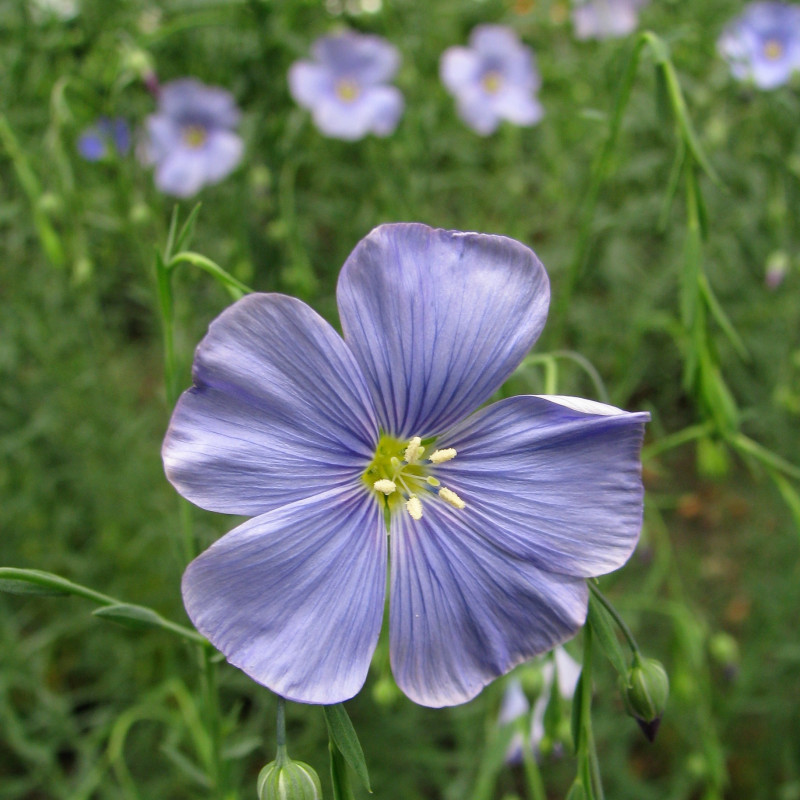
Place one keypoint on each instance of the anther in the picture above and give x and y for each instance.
(449, 496)
(385, 485)
(414, 507)
(431, 481)
(440, 456)
(414, 450)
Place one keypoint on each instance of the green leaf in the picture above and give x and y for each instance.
(131, 616)
(341, 783)
(575, 717)
(604, 629)
(343, 735)
(492, 762)
(13, 586)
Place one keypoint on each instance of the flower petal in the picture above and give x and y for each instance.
(438, 320)
(464, 612)
(189, 101)
(387, 108)
(556, 480)
(279, 411)
(365, 58)
(309, 83)
(459, 68)
(295, 597)
(222, 153)
(181, 172)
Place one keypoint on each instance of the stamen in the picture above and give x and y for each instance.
(449, 496)
(414, 450)
(385, 485)
(440, 456)
(431, 481)
(414, 507)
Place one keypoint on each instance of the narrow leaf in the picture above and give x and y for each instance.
(13, 586)
(131, 616)
(341, 782)
(344, 736)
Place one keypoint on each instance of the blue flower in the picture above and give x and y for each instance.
(496, 515)
(493, 79)
(191, 140)
(762, 44)
(345, 85)
(604, 19)
(101, 139)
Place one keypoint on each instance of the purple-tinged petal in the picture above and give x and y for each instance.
(91, 145)
(279, 411)
(222, 153)
(463, 612)
(295, 597)
(162, 137)
(387, 108)
(309, 83)
(181, 172)
(554, 480)
(601, 19)
(459, 68)
(188, 100)
(478, 111)
(518, 107)
(365, 58)
(340, 119)
(438, 320)
(496, 40)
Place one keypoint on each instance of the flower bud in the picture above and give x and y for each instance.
(284, 779)
(645, 693)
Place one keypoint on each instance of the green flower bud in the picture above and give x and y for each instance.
(645, 693)
(284, 779)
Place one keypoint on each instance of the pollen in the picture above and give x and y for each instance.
(440, 456)
(385, 485)
(449, 496)
(414, 450)
(347, 90)
(414, 507)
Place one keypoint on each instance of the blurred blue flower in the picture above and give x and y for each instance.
(191, 140)
(762, 44)
(345, 88)
(493, 79)
(605, 19)
(497, 516)
(103, 138)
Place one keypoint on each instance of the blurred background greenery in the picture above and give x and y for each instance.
(91, 710)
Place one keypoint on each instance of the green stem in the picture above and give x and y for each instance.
(621, 624)
(280, 723)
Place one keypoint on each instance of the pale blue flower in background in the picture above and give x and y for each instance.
(762, 44)
(605, 19)
(496, 515)
(346, 85)
(493, 79)
(105, 137)
(191, 140)
(562, 672)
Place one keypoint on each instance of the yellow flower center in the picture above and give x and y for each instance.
(492, 81)
(194, 136)
(347, 90)
(773, 49)
(399, 474)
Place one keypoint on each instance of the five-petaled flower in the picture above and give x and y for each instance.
(191, 140)
(495, 515)
(762, 44)
(605, 19)
(493, 79)
(345, 86)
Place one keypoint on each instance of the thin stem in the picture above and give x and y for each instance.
(626, 631)
(280, 734)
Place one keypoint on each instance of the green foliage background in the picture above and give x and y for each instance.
(90, 710)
